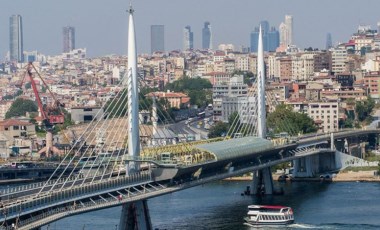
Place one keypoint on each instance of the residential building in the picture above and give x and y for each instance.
(325, 115)
(14, 129)
(372, 83)
(338, 60)
(86, 113)
(176, 100)
(234, 87)
(244, 105)
(322, 61)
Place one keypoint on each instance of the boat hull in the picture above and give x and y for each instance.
(251, 222)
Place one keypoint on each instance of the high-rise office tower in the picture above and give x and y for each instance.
(273, 39)
(16, 46)
(188, 38)
(289, 26)
(328, 41)
(282, 29)
(68, 33)
(206, 36)
(270, 36)
(157, 38)
(286, 31)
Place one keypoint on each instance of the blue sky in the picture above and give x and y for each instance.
(101, 25)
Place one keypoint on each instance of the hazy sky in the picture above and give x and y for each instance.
(101, 25)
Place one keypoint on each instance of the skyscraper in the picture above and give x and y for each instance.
(286, 31)
(68, 33)
(328, 41)
(289, 26)
(16, 45)
(157, 38)
(270, 36)
(283, 32)
(188, 38)
(206, 36)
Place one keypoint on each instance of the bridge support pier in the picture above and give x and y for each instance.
(262, 182)
(135, 216)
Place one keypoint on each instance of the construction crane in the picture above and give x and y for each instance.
(49, 116)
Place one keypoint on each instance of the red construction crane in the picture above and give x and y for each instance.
(50, 114)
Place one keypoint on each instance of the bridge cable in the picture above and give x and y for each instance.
(72, 148)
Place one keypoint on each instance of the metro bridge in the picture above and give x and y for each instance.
(158, 170)
(29, 208)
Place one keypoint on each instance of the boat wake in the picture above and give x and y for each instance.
(289, 226)
(302, 226)
(310, 226)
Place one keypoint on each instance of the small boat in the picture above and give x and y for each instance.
(269, 215)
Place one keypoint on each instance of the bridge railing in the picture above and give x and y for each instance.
(71, 193)
(6, 193)
(60, 212)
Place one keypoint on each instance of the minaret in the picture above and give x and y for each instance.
(261, 125)
(133, 98)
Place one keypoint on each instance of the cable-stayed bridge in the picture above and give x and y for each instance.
(133, 161)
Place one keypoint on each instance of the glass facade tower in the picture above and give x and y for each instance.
(16, 45)
(271, 38)
(206, 36)
(157, 38)
(68, 33)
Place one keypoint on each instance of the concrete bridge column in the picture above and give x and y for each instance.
(262, 182)
(135, 216)
(305, 166)
(332, 141)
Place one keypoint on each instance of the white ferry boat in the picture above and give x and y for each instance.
(269, 215)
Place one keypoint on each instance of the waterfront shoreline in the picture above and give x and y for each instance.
(350, 176)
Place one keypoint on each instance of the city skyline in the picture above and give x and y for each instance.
(271, 37)
(309, 26)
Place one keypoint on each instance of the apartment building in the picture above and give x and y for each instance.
(325, 115)
(372, 83)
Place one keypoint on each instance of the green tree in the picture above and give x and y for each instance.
(198, 89)
(19, 108)
(218, 130)
(348, 123)
(284, 119)
(363, 109)
(234, 124)
(28, 85)
(249, 77)
(117, 107)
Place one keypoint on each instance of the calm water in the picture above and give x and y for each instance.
(220, 206)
